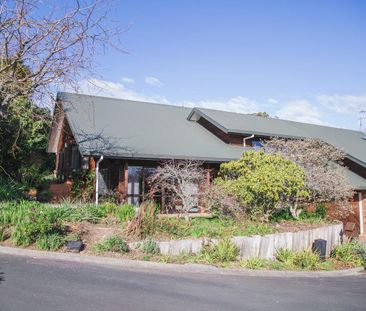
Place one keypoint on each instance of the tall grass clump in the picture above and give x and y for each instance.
(113, 244)
(224, 251)
(351, 253)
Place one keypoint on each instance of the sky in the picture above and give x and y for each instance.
(297, 60)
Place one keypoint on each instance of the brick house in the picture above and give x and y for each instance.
(133, 137)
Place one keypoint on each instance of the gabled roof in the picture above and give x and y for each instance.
(125, 128)
(131, 129)
(351, 142)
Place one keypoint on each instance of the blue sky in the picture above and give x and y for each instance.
(298, 60)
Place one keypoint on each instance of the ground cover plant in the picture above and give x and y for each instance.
(112, 244)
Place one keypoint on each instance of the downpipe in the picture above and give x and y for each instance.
(97, 180)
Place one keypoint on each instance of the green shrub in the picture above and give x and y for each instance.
(150, 246)
(253, 263)
(263, 182)
(50, 242)
(10, 191)
(281, 214)
(73, 237)
(285, 256)
(29, 220)
(113, 244)
(349, 253)
(126, 212)
(306, 259)
(83, 185)
(84, 212)
(109, 209)
(224, 251)
(2, 233)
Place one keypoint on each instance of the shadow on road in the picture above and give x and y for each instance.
(2, 279)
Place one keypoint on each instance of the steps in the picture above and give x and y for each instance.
(59, 191)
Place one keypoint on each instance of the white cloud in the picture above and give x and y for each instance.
(116, 90)
(119, 90)
(343, 103)
(301, 111)
(128, 80)
(153, 81)
(272, 101)
(236, 104)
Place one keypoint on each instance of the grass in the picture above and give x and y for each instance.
(178, 228)
(112, 244)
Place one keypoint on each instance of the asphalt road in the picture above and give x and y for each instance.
(43, 285)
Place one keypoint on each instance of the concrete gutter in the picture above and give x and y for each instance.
(163, 268)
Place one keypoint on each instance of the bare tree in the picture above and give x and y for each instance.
(182, 179)
(323, 166)
(41, 51)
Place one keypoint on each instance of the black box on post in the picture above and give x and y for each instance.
(320, 247)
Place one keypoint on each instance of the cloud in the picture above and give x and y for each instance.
(343, 103)
(236, 104)
(272, 101)
(127, 80)
(301, 111)
(153, 81)
(119, 90)
(116, 90)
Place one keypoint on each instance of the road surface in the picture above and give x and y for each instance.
(43, 285)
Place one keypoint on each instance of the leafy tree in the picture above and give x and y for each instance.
(24, 137)
(325, 175)
(263, 183)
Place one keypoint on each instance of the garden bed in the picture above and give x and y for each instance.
(103, 231)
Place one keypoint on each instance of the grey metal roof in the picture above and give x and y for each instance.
(351, 142)
(124, 128)
(131, 129)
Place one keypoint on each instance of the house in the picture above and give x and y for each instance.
(133, 137)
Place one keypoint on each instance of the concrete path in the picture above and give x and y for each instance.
(43, 284)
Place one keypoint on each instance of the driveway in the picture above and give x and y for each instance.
(45, 285)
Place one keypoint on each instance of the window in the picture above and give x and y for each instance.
(75, 158)
(138, 187)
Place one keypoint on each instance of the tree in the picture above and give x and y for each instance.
(180, 178)
(261, 114)
(323, 166)
(40, 52)
(24, 137)
(44, 46)
(263, 183)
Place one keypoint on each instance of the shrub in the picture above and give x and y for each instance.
(109, 209)
(84, 212)
(51, 242)
(10, 191)
(224, 251)
(2, 233)
(253, 263)
(144, 223)
(285, 256)
(126, 212)
(31, 220)
(113, 244)
(73, 237)
(263, 183)
(349, 253)
(83, 185)
(306, 259)
(220, 203)
(150, 246)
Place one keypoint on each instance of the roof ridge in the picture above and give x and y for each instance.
(278, 119)
(120, 99)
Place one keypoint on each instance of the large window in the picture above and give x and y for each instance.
(138, 187)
